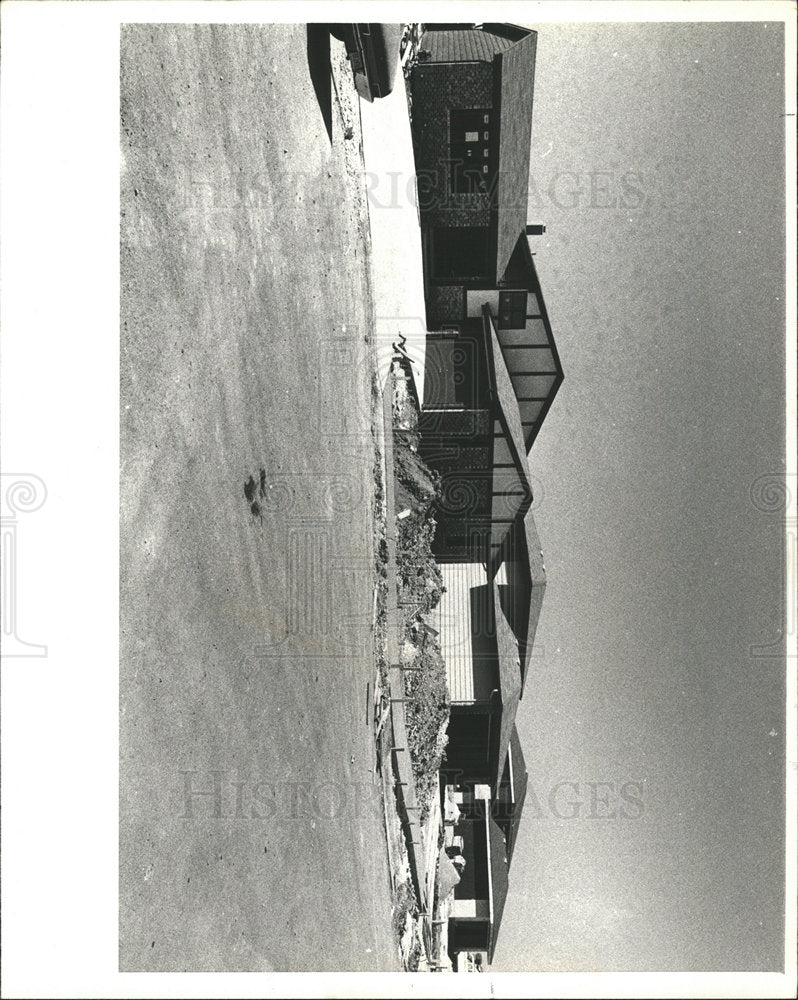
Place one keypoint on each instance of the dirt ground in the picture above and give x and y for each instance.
(251, 829)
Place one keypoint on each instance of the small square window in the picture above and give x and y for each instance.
(512, 310)
(472, 137)
(485, 136)
(485, 169)
(485, 119)
(485, 153)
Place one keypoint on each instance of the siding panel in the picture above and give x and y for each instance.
(454, 620)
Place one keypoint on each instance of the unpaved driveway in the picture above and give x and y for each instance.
(245, 642)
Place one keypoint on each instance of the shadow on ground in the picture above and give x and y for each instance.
(318, 47)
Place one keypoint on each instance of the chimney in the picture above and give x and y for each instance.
(536, 230)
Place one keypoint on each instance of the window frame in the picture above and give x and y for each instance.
(470, 151)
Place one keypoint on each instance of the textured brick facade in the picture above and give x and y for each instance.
(456, 427)
(437, 88)
(444, 305)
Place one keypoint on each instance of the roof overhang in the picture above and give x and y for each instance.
(519, 780)
(514, 79)
(510, 681)
(511, 492)
(498, 881)
(531, 588)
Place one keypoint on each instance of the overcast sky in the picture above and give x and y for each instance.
(666, 298)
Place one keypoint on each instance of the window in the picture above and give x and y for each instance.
(469, 145)
(512, 310)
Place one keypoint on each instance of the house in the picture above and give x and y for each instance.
(486, 544)
(472, 91)
(492, 374)
(472, 97)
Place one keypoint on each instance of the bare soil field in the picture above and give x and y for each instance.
(251, 825)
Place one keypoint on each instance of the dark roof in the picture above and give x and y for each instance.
(519, 779)
(522, 596)
(509, 685)
(499, 868)
(515, 73)
(514, 32)
(464, 44)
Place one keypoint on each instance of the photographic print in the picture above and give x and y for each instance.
(454, 444)
(399, 303)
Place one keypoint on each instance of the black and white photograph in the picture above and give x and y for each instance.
(399, 499)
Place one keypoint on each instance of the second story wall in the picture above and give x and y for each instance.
(439, 90)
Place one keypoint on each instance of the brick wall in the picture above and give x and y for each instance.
(436, 89)
(451, 430)
(444, 305)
